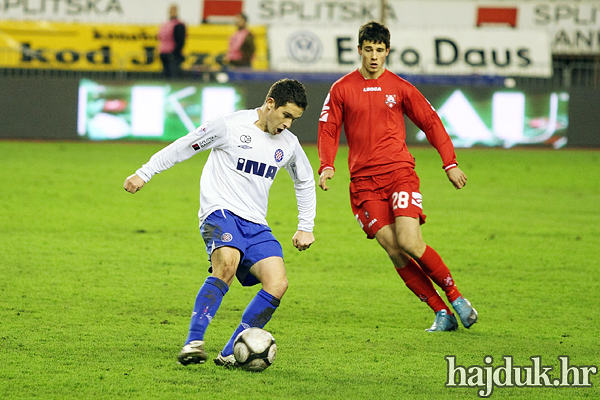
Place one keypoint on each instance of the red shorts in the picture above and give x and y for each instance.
(377, 200)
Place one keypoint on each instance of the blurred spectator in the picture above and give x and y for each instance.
(172, 39)
(241, 45)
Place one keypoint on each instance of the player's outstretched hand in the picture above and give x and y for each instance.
(302, 240)
(326, 174)
(133, 183)
(457, 177)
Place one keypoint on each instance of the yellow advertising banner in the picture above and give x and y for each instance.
(108, 47)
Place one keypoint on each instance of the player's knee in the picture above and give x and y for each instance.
(389, 244)
(224, 262)
(398, 257)
(225, 270)
(412, 246)
(393, 250)
(223, 273)
(276, 287)
(282, 287)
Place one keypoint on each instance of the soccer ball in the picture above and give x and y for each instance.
(254, 349)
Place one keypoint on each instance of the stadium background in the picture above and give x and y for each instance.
(96, 284)
(504, 73)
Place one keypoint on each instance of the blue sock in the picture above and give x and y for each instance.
(256, 315)
(207, 303)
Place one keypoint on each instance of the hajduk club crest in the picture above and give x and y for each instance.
(278, 155)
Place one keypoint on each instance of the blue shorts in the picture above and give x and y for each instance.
(254, 241)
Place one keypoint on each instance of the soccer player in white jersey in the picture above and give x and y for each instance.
(248, 148)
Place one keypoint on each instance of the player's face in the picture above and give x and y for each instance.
(281, 118)
(373, 57)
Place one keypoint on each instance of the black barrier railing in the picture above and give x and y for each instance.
(567, 74)
(64, 73)
(203, 76)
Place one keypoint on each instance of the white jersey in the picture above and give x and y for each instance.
(241, 167)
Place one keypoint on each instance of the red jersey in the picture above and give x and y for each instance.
(372, 113)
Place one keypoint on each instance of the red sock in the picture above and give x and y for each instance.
(420, 284)
(433, 265)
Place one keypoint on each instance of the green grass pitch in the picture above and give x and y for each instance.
(97, 285)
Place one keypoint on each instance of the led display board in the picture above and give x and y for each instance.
(151, 110)
(500, 117)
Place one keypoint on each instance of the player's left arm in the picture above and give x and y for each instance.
(457, 177)
(302, 174)
(302, 240)
(422, 113)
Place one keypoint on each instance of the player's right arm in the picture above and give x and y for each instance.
(327, 173)
(210, 135)
(330, 128)
(133, 183)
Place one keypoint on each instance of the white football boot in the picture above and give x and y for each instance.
(227, 362)
(192, 353)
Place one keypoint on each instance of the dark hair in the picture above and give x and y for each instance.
(374, 32)
(288, 91)
(244, 17)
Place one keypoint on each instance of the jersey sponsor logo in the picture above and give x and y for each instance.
(245, 139)
(244, 146)
(256, 168)
(325, 110)
(203, 143)
(372, 89)
(390, 100)
(278, 155)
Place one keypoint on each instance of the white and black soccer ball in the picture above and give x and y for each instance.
(254, 349)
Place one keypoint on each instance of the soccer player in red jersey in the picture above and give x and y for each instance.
(370, 103)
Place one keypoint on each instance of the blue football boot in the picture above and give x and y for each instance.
(465, 311)
(443, 322)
